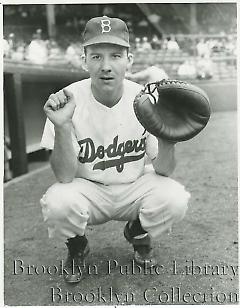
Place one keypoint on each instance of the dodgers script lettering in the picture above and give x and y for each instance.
(88, 153)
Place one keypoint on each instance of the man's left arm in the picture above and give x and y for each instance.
(164, 163)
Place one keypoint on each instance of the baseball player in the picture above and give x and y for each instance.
(98, 155)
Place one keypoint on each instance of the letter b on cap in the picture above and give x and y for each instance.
(105, 24)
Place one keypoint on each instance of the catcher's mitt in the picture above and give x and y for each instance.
(179, 112)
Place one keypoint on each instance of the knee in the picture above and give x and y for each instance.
(178, 204)
(168, 197)
(60, 200)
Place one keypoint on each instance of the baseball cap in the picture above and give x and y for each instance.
(106, 30)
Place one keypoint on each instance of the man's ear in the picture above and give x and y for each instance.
(130, 61)
(83, 62)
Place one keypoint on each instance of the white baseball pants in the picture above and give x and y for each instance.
(69, 208)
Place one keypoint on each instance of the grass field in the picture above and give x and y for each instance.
(197, 261)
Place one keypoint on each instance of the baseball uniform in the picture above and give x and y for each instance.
(112, 182)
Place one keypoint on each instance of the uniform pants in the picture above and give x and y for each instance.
(158, 201)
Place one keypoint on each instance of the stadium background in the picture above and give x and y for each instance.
(207, 164)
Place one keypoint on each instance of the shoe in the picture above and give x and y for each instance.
(74, 266)
(143, 251)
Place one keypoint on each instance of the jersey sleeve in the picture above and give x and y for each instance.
(48, 136)
(151, 146)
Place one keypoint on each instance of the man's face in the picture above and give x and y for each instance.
(107, 65)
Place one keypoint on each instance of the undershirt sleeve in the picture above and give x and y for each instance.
(47, 140)
(151, 146)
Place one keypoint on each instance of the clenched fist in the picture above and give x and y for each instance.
(60, 107)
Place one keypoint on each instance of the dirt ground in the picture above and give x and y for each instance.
(197, 261)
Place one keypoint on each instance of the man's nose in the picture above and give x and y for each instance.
(106, 65)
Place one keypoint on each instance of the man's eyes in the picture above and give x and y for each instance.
(117, 56)
(114, 56)
(95, 57)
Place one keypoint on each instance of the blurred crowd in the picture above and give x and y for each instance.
(41, 51)
(197, 60)
(194, 46)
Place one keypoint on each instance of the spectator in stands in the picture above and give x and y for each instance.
(12, 41)
(204, 67)
(145, 44)
(72, 56)
(202, 48)
(19, 53)
(212, 46)
(37, 51)
(54, 51)
(221, 45)
(216, 48)
(6, 48)
(172, 44)
(165, 43)
(187, 70)
(230, 46)
(138, 45)
(39, 33)
(156, 42)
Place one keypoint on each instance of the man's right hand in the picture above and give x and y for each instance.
(60, 107)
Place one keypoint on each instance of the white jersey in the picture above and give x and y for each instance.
(110, 143)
